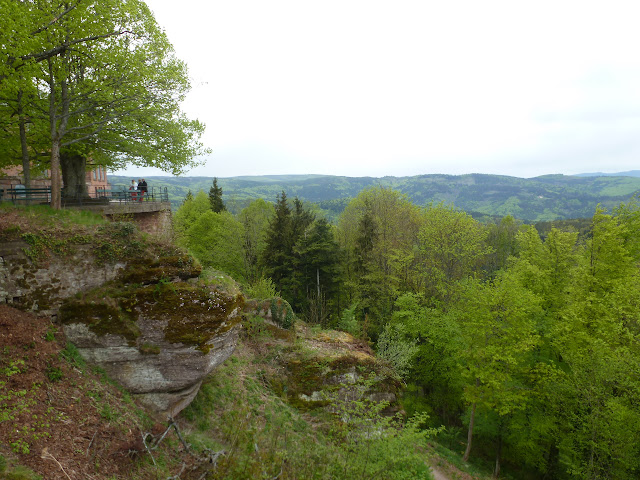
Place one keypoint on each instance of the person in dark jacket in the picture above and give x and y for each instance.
(142, 187)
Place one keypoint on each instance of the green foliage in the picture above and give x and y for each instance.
(124, 108)
(255, 219)
(317, 272)
(21, 473)
(188, 213)
(395, 348)
(302, 258)
(263, 437)
(53, 373)
(72, 355)
(277, 256)
(376, 444)
(215, 239)
(378, 233)
(452, 245)
(262, 289)
(282, 313)
(348, 321)
(50, 334)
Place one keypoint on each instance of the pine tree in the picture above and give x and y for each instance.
(276, 256)
(215, 197)
(279, 257)
(317, 268)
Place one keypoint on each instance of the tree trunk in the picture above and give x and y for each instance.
(74, 176)
(56, 202)
(57, 131)
(553, 462)
(472, 420)
(26, 164)
(496, 471)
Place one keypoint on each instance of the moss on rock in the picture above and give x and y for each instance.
(101, 319)
(145, 270)
(194, 314)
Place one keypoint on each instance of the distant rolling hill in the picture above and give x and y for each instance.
(630, 173)
(545, 198)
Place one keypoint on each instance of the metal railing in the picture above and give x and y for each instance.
(20, 195)
(120, 193)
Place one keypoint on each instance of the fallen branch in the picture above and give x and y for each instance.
(91, 442)
(156, 443)
(144, 442)
(47, 456)
(177, 477)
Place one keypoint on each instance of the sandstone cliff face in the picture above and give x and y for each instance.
(133, 307)
(42, 286)
(156, 330)
(164, 375)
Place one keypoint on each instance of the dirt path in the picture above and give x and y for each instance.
(438, 475)
(443, 470)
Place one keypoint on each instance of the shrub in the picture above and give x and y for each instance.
(262, 289)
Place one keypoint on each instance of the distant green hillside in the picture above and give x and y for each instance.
(544, 198)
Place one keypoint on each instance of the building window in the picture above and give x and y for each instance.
(94, 174)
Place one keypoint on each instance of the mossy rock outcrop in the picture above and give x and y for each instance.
(314, 368)
(156, 331)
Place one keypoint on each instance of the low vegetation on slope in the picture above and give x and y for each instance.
(58, 417)
(304, 404)
(289, 404)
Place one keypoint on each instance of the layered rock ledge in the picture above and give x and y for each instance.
(159, 341)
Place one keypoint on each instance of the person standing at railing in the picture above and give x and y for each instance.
(133, 189)
(142, 188)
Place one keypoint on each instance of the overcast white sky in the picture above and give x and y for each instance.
(376, 88)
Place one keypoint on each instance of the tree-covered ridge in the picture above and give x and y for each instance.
(544, 198)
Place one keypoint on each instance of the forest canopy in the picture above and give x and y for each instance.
(525, 346)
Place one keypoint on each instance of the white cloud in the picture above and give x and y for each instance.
(407, 87)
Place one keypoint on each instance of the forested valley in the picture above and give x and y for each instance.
(525, 348)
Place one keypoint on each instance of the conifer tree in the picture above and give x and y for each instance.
(276, 256)
(215, 197)
(281, 259)
(317, 268)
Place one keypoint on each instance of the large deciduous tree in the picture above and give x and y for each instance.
(453, 245)
(113, 86)
(378, 232)
(255, 218)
